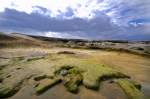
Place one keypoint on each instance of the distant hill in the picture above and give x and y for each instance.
(23, 40)
(15, 40)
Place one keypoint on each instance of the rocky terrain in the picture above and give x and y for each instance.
(34, 67)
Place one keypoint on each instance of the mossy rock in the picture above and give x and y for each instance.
(131, 89)
(6, 91)
(112, 75)
(72, 81)
(34, 58)
(62, 68)
(40, 77)
(91, 84)
(45, 84)
(74, 71)
(17, 59)
(92, 80)
(136, 84)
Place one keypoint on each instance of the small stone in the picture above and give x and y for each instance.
(63, 72)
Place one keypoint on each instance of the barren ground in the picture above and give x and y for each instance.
(33, 68)
(137, 67)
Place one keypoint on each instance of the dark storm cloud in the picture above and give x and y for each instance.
(14, 19)
(99, 27)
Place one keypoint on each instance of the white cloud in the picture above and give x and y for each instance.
(63, 35)
(84, 8)
(123, 11)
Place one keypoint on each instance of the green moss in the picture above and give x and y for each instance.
(74, 71)
(72, 80)
(100, 73)
(90, 81)
(70, 76)
(92, 71)
(130, 89)
(34, 58)
(16, 59)
(6, 91)
(136, 84)
(40, 77)
(62, 68)
(45, 85)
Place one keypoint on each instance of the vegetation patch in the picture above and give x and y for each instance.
(72, 72)
(16, 59)
(71, 78)
(66, 52)
(91, 79)
(34, 58)
(6, 91)
(131, 89)
(40, 77)
(45, 84)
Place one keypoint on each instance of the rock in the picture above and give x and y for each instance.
(71, 77)
(130, 89)
(63, 72)
(6, 91)
(40, 77)
(45, 84)
(71, 82)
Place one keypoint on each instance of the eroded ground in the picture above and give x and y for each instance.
(65, 73)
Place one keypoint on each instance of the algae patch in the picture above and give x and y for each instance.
(71, 78)
(45, 84)
(92, 79)
(6, 91)
(131, 89)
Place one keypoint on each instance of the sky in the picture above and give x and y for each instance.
(79, 19)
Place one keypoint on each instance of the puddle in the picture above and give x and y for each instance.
(146, 89)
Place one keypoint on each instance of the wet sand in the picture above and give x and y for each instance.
(138, 67)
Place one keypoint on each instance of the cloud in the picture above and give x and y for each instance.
(20, 20)
(122, 12)
(117, 10)
(82, 8)
(91, 19)
(11, 18)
